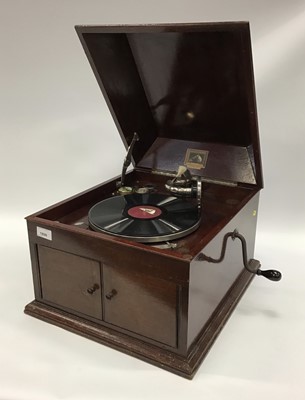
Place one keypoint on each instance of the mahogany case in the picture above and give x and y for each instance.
(181, 88)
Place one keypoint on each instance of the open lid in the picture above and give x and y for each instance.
(187, 90)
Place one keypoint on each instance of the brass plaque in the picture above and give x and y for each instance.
(196, 158)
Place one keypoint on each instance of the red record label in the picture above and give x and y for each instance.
(144, 212)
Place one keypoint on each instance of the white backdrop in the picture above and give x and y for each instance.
(57, 139)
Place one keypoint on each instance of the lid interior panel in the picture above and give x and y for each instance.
(188, 83)
(114, 66)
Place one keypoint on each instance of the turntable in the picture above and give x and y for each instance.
(148, 262)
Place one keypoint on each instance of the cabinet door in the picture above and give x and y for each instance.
(141, 304)
(70, 281)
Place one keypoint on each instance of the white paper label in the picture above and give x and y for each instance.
(44, 233)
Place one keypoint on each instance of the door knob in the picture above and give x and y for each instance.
(110, 295)
(93, 288)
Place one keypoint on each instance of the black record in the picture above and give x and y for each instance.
(146, 218)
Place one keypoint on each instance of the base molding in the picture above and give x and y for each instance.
(173, 362)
